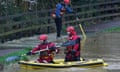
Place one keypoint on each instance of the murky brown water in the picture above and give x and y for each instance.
(102, 45)
(105, 46)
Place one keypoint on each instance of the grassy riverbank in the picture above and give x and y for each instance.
(17, 53)
(114, 29)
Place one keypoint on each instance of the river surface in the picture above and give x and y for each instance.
(100, 45)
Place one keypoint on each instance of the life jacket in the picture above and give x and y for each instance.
(60, 10)
(46, 54)
(75, 47)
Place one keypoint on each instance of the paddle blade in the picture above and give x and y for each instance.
(12, 58)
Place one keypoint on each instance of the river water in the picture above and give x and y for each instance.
(100, 45)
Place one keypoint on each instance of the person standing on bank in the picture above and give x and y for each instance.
(60, 10)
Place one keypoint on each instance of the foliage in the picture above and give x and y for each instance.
(17, 53)
(11, 7)
(24, 16)
(114, 29)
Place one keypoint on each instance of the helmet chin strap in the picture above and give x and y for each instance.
(70, 34)
(45, 42)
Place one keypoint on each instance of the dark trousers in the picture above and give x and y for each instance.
(74, 58)
(58, 22)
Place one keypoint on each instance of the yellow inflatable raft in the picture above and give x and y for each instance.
(59, 63)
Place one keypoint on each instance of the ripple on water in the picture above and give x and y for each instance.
(113, 66)
(73, 69)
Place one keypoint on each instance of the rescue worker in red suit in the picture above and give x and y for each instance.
(46, 50)
(72, 51)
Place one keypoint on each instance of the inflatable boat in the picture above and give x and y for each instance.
(59, 63)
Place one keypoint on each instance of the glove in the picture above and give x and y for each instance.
(53, 16)
(73, 52)
(30, 53)
(52, 48)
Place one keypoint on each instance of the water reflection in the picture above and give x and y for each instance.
(98, 69)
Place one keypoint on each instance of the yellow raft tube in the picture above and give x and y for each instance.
(59, 63)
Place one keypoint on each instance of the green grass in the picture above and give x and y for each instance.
(17, 53)
(114, 29)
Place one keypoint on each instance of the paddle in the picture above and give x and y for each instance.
(21, 57)
(18, 55)
(84, 36)
(16, 58)
(24, 56)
